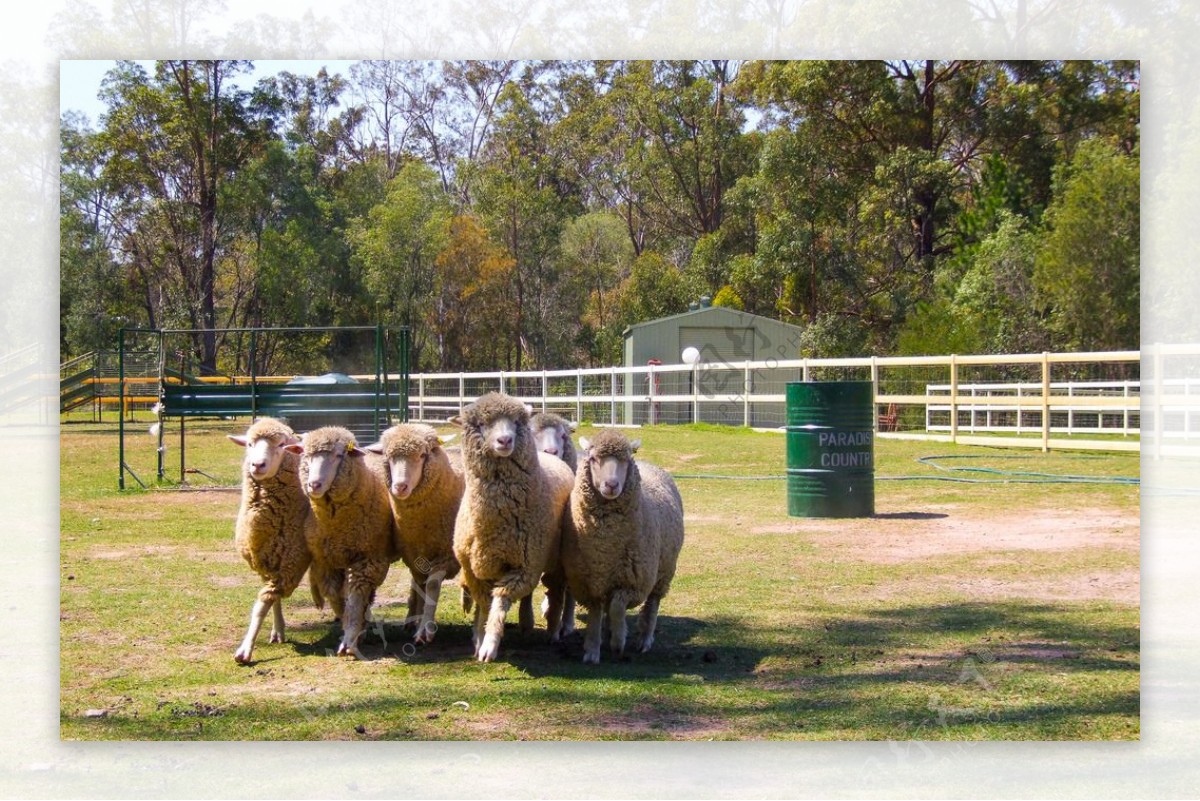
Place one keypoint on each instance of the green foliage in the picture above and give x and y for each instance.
(523, 213)
(1087, 267)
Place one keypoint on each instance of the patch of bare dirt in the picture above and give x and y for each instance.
(1122, 586)
(890, 538)
(643, 719)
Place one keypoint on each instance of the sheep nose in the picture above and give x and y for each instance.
(610, 487)
(400, 489)
(504, 442)
(552, 451)
(259, 466)
(314, 486)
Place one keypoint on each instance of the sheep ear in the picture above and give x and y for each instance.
(635, 444)
(295, 447)
(456, 420)
(585, 443)
(239, 439)
(573, 424)
(528, 409)
(354, 451)
(374, 447)
(446, 439)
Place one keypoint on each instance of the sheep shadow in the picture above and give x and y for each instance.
(683, 646)
(910, 516)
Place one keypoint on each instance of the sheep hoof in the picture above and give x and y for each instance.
(276, 636)
(489, 649)
(644, 644)
(424, 635)
(242, 656)
(591, 657)
(349, 650)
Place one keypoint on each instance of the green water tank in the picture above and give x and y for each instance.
(830, 449)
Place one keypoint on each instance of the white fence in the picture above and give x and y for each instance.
(1095, 399)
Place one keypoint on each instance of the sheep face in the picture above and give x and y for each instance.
(608, 464)
(264, 450)
(494, 424)
(552, 438)
(406, 451)
(319, 468)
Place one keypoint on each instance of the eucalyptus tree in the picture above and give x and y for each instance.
(173, 141)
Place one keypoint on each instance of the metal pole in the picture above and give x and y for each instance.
(162, 372)
(378, 374)
(253, 377)
(120, 404)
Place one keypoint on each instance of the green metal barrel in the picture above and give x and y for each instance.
(830, 449)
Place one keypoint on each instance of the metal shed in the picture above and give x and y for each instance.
(723, 336)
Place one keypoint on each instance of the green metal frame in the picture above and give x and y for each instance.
(185, 400)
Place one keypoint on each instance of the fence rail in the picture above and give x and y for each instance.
(1025, 399)
(1124, 400)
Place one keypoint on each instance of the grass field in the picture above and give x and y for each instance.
(959, 611)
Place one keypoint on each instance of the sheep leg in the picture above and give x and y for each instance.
(525, 615)
(568, 614)
(593, 635)
(352, 623)
(477, 629)
(647, 622)
(258, 613)
(553, 609)
(489, 648)
(360, 593)
(416, 602)
(616, 619)
(426, 627)
(278, 629)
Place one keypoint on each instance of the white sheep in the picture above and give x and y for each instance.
(424, 489)
(621, 539)
(269, 532)
(506, 535)
(350, 530)
(552, 434)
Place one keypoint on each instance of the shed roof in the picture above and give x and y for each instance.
(743, 318)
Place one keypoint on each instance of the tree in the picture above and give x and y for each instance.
(173, 141)
(397, 244)
(1087, 268)
(596, 256)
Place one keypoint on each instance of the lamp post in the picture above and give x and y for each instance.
(691, 356)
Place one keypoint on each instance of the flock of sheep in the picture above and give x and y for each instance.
(514, 506)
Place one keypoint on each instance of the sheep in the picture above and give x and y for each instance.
(553, 436)
(506, 535)
(269, 532)
(621, 539)
(424, 489)
(350, 530)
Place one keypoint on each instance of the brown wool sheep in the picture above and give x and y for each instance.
(269, 532)
(506, 535)
(350, 531)
(424, 490)
(621, 539)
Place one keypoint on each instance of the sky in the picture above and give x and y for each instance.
(79, 80)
